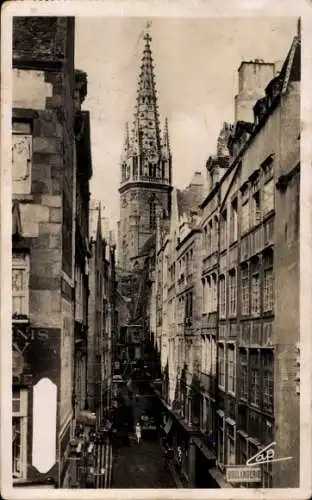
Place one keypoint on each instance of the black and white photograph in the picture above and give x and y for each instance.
(155, 239)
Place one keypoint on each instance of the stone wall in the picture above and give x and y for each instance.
(43, 78)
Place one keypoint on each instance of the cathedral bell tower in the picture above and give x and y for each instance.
(146, 177)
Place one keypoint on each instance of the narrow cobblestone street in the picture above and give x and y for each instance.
(141, 466)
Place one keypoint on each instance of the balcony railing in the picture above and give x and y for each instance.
(145, 178)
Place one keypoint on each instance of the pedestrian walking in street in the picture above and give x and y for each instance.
(138, 432)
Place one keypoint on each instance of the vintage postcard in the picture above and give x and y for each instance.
(156, 278)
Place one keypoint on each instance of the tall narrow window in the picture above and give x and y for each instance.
(210, 236)
(221, 366)
(268, 367)
(232, 293)
(256, 209)
(152, 215)
(268, 283)
(233, 221)
(245, 217)
(268, 196)
(208, 286)
(203, 352)
(209, 355)
(19, 434)
(231, 369)
(223, 230)
(255, 289)
(213, 356)
(204, 308)
(21, 157)
(190, 304)
(221, 439)
(214, 292)
(243, 367)
(135, 167)
(215, 240)
(231, 437)
(123, 172)
(268, 290)
(254, 378)
(20, 285)
(222, 297)
(163, 169)
(244, 291)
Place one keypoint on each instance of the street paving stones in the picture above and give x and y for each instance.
(141, 466)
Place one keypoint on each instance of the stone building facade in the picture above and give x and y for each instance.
(253, 293)
(178, 322)
(102, 320)
(249, 244)
(44, 180)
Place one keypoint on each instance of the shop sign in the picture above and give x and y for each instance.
(246, 474)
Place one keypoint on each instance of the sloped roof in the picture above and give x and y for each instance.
(291, 69)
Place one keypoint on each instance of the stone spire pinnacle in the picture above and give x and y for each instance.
(146, 114)
(166, 142)
(99, 231)
(126, 147)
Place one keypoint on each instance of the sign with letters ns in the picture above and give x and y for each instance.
(243, 474)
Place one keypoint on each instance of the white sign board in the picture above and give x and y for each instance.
(44, 425)
(243, 474)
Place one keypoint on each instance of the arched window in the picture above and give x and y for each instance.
(150, 170)
(123, 172)
(135, 167)
(163, 169)
(152, 214)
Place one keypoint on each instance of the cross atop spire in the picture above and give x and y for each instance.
(147, 38)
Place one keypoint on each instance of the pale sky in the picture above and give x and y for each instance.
(196, 62)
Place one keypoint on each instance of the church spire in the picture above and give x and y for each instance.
(146, 116)
(146, 154)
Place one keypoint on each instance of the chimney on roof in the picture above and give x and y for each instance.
(253, 77)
